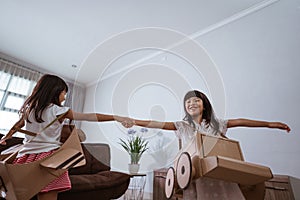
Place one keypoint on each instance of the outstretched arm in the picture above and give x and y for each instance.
(18, 125)
(97, 117)
(155, 124)
(256, 123)
(125, 121)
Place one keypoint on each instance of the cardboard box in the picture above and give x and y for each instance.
(222, 158)
(220, 146)
(219, 158)
(206, 145)
(233, 170)
(23, 181)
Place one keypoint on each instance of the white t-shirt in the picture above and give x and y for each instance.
(186, 132)
(46, 140)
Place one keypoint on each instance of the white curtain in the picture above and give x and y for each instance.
(75, 99)
(23, 81)
(16, 83)
(7, 67)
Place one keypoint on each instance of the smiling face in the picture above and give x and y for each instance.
(194, 107)
(197, 107)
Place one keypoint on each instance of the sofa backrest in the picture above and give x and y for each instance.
(10, 142)
(100, 151)
(97, 156)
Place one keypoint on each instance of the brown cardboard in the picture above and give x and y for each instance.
(23, 181)
(193, 148)
(203, 146)
(59, 160)
(222, 158)
(233, 170)
(219, 146)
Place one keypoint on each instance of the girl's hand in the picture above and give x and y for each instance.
(126, 121)
(279, 125)
(3, 140)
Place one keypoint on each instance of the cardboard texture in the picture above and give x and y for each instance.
(18, 178)
(205, 148)
(205, 145)
(219, 146)
(233, 170)
(222, 158)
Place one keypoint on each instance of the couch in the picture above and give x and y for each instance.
(95, 180)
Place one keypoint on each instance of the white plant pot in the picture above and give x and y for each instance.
(133, 168)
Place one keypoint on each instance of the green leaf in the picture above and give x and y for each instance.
(135, 146)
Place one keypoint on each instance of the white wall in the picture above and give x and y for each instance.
(257, 58)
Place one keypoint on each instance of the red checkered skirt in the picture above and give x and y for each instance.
(60, 184)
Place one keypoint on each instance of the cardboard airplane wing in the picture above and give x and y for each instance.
(23, 181)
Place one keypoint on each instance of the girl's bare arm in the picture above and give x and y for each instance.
(97, 117)
(257, 123)
(18, 125)
(155, 124)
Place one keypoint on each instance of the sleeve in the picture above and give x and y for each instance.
(184, 132)
(179, 127)
(222, 126)
(58, 110)
(183, 129)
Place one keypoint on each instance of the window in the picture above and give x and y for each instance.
(15, 85)
(13, 92)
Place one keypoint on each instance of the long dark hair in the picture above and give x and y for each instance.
(208, 112)
(46, 92)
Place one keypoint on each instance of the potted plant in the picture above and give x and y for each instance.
(135, 146)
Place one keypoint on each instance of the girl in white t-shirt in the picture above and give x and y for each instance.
(199, 115)
(39, 110)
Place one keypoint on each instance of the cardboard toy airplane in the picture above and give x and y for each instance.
(218, 158)
(23, 181)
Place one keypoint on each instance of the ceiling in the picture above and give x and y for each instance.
(55, 35)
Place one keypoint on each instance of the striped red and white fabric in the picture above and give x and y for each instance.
(62, 183)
